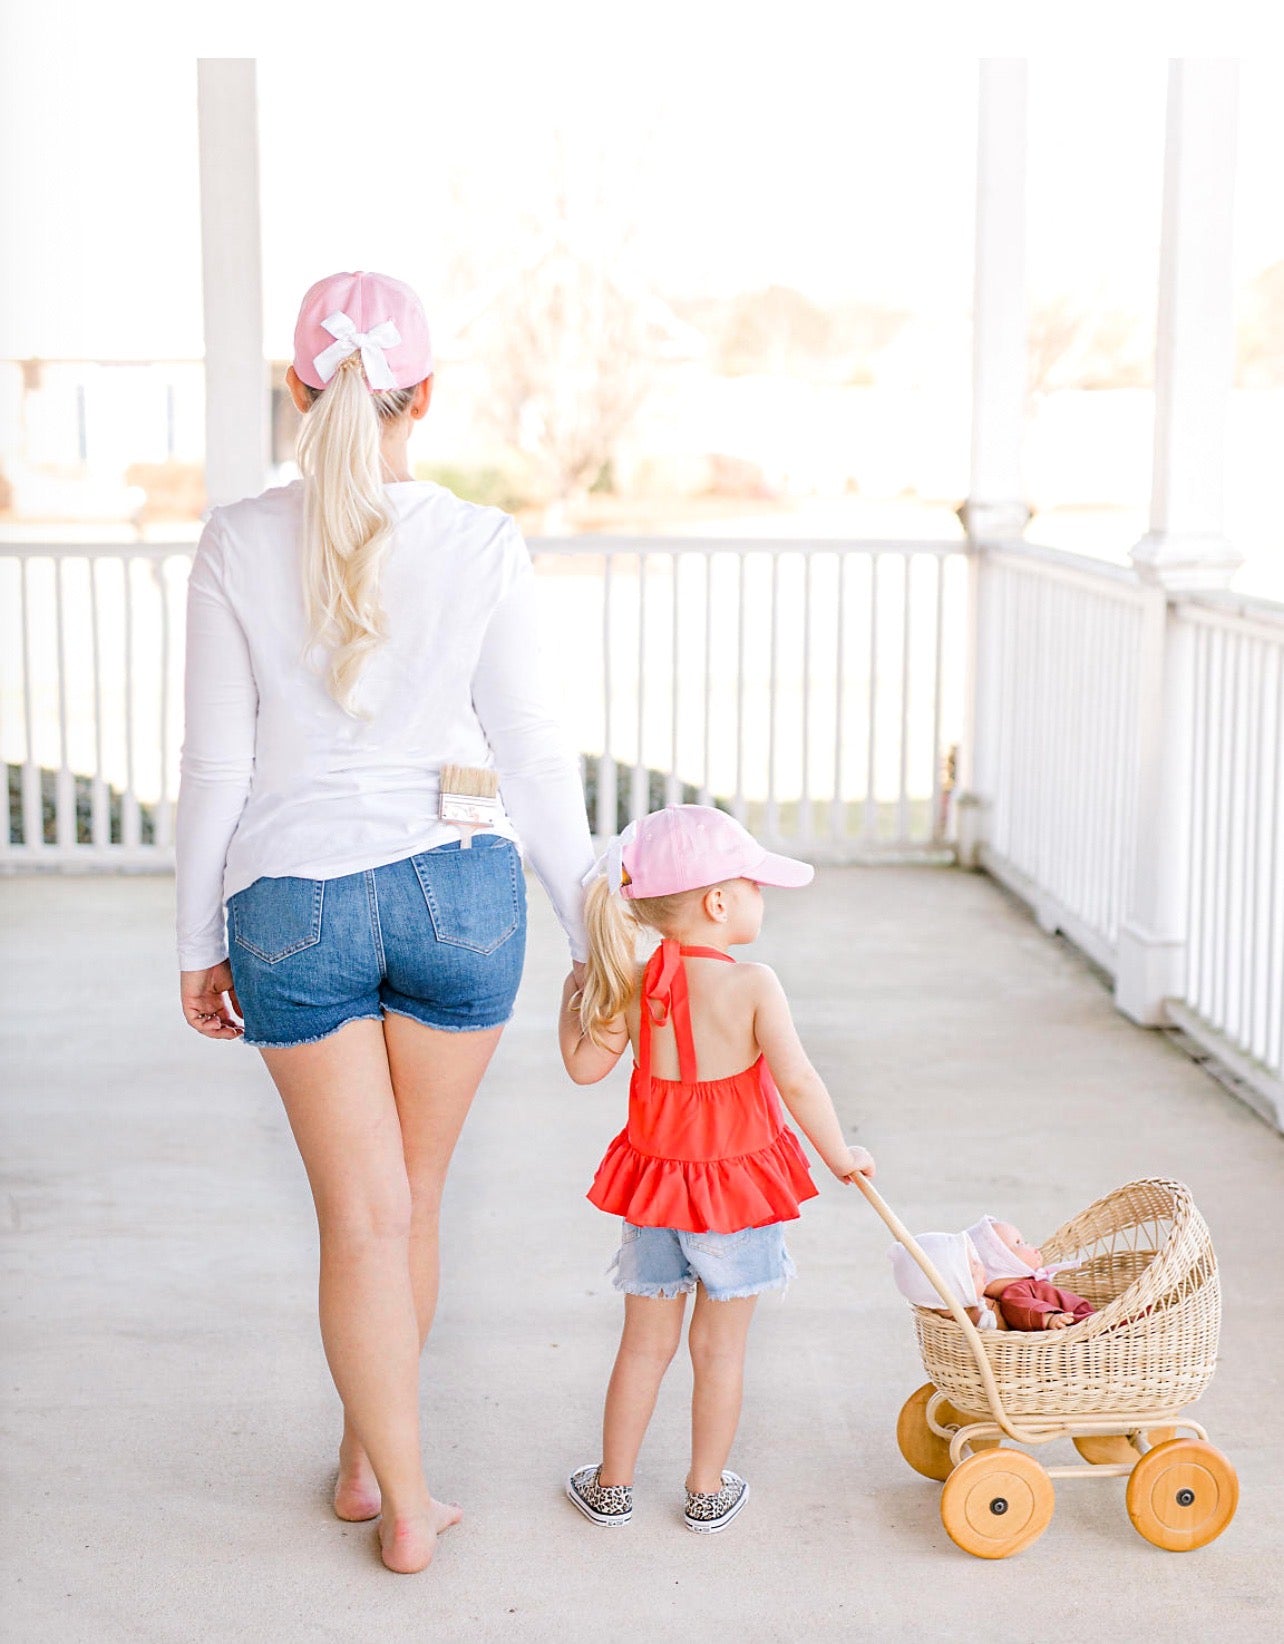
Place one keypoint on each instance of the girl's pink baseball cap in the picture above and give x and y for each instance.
(372, 312)
(685, 847)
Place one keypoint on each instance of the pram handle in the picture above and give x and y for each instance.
(903, 1236)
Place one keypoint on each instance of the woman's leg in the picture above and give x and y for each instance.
(719, 1330)
(435, 1075)
(339, 1099)
(652, 1331)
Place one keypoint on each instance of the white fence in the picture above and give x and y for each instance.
(1234, 923)
(1117, 730)
(815, 689)
(1058, 697)
(818, 690)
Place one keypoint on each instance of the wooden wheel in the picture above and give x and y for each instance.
(1102, 1449)
(926, 1452)
(1182, 1495)
(996, 1504)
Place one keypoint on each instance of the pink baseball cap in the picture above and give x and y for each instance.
(685, 847)
(372, 312)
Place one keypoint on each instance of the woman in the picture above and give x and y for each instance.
(348, 636)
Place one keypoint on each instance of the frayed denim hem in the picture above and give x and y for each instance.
(782, 1284)
(449, 1027)
(664, 1292)
(316, 1038)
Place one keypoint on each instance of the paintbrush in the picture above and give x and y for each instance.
(468, 798)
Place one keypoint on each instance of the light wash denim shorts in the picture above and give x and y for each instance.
(439, 937)
(665, 1261)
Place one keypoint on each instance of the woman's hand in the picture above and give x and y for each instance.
(205, 995)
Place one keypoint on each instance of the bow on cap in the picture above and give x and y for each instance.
(348, 339)
(611, 861)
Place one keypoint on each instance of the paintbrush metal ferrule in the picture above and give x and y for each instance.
(468, 807)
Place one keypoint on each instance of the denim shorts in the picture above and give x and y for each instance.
(439, 937)
(665, 1261)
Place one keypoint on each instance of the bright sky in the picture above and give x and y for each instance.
(423, 139)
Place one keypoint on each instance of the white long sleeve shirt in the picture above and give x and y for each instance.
(277, 779)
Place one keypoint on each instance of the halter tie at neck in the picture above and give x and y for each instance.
(665, 996)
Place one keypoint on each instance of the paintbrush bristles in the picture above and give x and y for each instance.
(473, 780)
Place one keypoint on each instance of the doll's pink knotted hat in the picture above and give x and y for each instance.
(374, 313)
(1000, 1262)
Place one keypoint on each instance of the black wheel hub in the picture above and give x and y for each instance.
(999, 1506)
(1185, 1498)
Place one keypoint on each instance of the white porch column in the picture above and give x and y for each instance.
(1186, 546)
(996, 505)
(236, 380)
(996, 508)
(1150, 955)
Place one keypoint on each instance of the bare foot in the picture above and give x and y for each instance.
(407, 1544)
(356, 1490)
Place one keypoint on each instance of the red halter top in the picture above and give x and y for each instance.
(702, 1155)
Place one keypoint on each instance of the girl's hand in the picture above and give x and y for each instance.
(205, 995)
(859, 1162)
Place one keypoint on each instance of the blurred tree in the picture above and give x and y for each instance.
(566, 343)
(1076, 343)
(782, 331)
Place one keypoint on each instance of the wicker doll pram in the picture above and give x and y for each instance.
(1116, 1383)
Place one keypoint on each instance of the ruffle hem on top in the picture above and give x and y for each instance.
(704, 1195)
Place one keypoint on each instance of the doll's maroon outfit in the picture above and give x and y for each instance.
(1026, 1303)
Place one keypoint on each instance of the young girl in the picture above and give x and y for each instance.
(706, 1172)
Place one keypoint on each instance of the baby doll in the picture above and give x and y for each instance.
(958, 1264)
(1017, 1278)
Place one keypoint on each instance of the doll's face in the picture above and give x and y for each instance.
(1030, 1254)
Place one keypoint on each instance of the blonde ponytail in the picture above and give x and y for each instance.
(612, 965)
(613, 973)
(347, 523)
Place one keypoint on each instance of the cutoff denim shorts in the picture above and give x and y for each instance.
(666, 1261)
(439, 937)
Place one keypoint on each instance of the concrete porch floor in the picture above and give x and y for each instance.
(171, 1425)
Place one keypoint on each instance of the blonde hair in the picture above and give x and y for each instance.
(613, 974)
(347, 522)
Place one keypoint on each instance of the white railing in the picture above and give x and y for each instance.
(90, 701)
(1117, 729)
(1056, 744)
(816, 689)
(813, 688)
(1235, 892)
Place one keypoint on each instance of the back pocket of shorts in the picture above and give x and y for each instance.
(274, 918)
(474, 896)
(722, 1244)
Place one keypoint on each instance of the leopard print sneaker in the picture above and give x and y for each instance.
(708, 1513)
(603, 1503)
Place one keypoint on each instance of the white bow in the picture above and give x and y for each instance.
(611, 861)
(348, 339)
